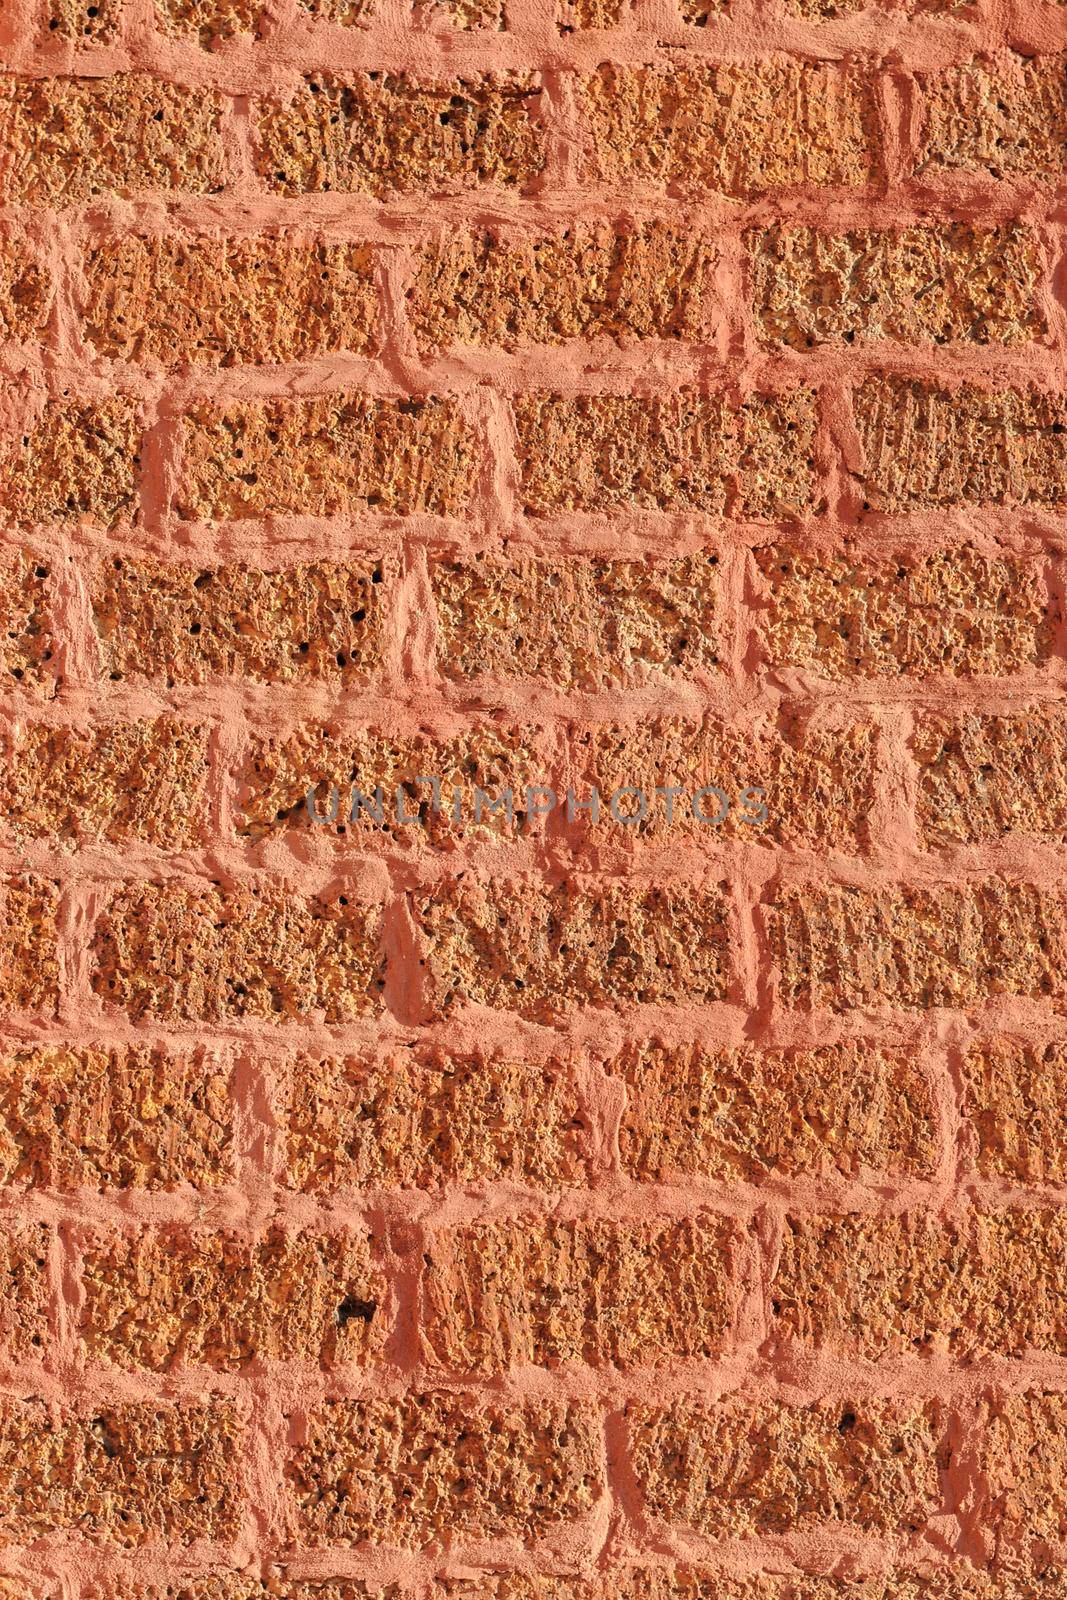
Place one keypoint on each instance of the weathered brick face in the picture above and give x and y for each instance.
(533, 800)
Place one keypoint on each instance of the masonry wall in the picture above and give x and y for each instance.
(611, 394)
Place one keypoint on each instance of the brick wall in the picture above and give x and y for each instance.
(615, 393)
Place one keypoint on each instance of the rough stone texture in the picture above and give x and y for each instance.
(208, 21)
(515, 1293)
(127, 1118)
(420, 1121)
(685, 451)
(386, 134)
(78, 462)
(29, 971)
(885, 1284)
(740, 130)
(64, 140)
(928, 446)
(541, 949)
(1002, 116)
(25, 292)
(959, 1581)
(914, 285)
(1021, 1460)
(82, 21)
(793, 787)
(955, 611)
(346, 771)
(23, 1291)
(158, 1298)
(583, 283)
(736, 1469)
(188, 624)
(1015, 1104)
(409, 1471)
(164, 951)
(944, 946)
(220, 302)
(745, 1114)
(121, 1475)
(140, 780)
(577, 624)
(990, 777)
(327, 456)
(25, 637)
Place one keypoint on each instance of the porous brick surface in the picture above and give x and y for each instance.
(533, 800)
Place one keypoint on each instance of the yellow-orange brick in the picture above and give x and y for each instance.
(206, 1298)
(742, 130)
(510, 1293)
(1001, 116)
(322, 457)
(24, 1291)
(389, 134)
(578, 624)
(686, 450)
(77, 463)
(1022, 1457)
(187, 624)
(949, 945)
(130, 1118)
(29, 968)
(742, 1113)
(771, 1469)
(162, 950)
(418, 1120)
(25, 292)
(139, 780)
(1015, 1100)
(226, 301)
(985, 777)
(25, 639)
(122, 1474)
(412, 1471)
(538, 949)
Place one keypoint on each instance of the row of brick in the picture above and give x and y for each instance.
(576, 623)
(978, 779)
(181, 300)
(534, 948)
(495, 1295)
(433, 1466)
(735, 130)
(921, 446)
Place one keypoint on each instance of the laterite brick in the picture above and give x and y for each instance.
(504, 1294)
(1015, 1103)
(25, 292)
(165, 951)
(987, 777)
(208, 21)
(26, 645)
(77, 463)
(999, 116)
(1021, 1453)
(24, 1291)
(29, 969)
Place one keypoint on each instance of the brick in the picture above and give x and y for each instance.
(959, 1581)
(1015, 1101)
(844, 615)
(63, 140)
(386, 134)
(987, 778)
(588, 282)
(579, 624)
(25, 639)
(77, 463)
(341, 766)
(916, 285)
(412, 1471)
(81, 21)
(236, 1586)
(324, 457)
(162, 1297)
(25, 292)
(890, 1284)
(1022, 1449)
(29, 969)
(679, 451)
(741, 130)
(208, 21)
(948, 945)
(767, 1468)
(124, 1474)
(127, 1118)
(420, 1120)
(1002, 116)
(925, 446)
(23, 1291)
(796, 786)
(530, 1292)
(319, 621)
(721, 1114)
(161, 950)
(130, 780)
(542, 949)
(219, 302)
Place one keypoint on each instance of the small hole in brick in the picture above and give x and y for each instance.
(353, 1310)
(847, 1423)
